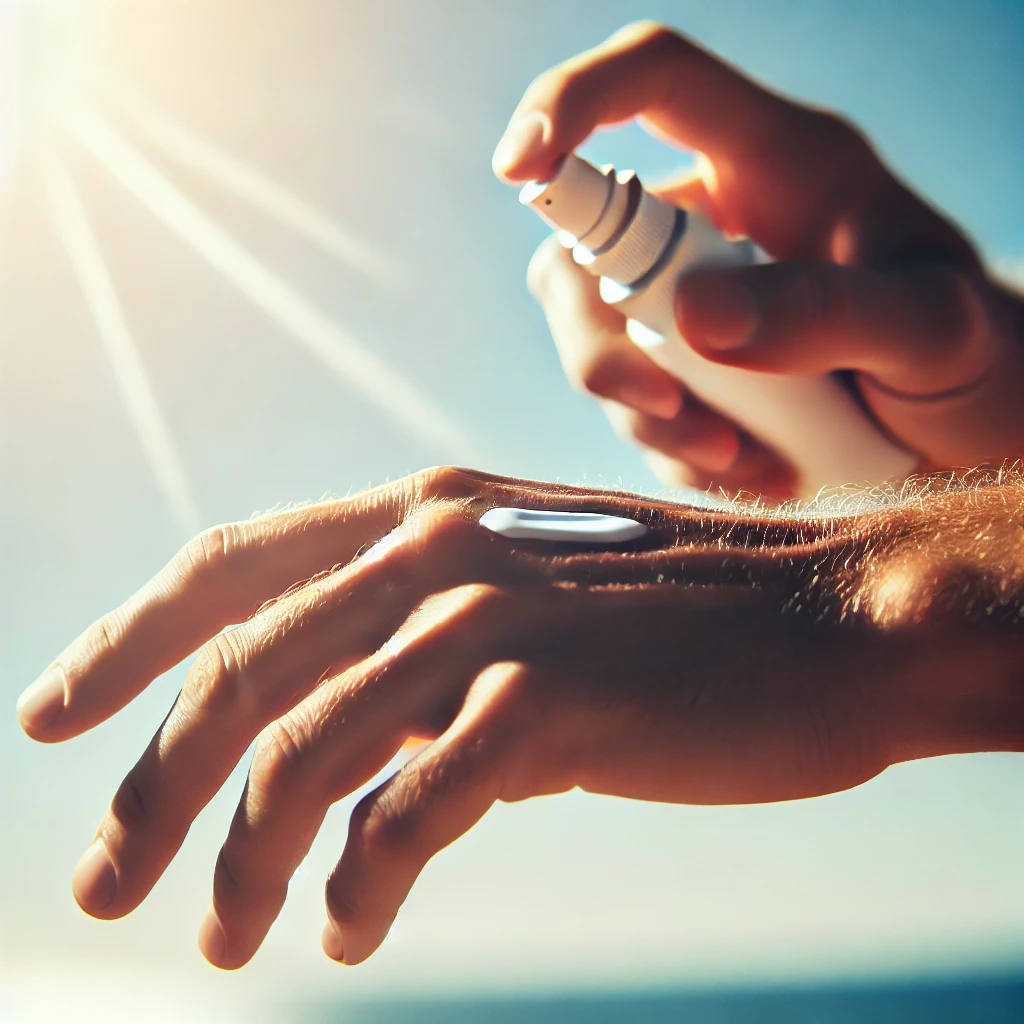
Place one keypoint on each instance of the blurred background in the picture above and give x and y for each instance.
(252, 253)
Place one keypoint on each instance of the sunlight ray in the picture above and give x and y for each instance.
(336, 349)
(8, 71)
(151, 428)
(244, 182)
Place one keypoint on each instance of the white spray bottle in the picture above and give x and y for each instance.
(640, 246)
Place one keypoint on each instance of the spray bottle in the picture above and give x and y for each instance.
(640, 246)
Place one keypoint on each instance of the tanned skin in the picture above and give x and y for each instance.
(726, 657)
(729, 656)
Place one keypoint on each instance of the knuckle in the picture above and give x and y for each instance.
(368, 826)
(391, 821)
(208, 550)
(547, 89)
(445, 483)
(838, 137)
(522, 688)
(215, 682)
(570, 84)
(466, 606)
(506, 687)
(597, 375)
(211, 554)
(487, 604)
(390, 827)
(648, 34)
(896, 591)
(282, 759)
(439, 527)
(835, 127)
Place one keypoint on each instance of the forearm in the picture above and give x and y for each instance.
(940, 579)
(909, 614)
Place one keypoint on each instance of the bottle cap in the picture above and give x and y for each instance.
(574, 199)
(620, 229)
(639, 247)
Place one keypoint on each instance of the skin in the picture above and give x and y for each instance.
(533, 668)
(869, 278)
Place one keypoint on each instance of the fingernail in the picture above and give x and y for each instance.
(718, 312)
(43, 701)
(665, 405)
(332, 942)
(94, 881)
(212, 942)
(525, 133)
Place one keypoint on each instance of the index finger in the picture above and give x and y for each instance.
(643, 70)
(219, 578)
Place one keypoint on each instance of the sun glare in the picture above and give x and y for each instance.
(52, 95)
(42, 43)
(8, 72)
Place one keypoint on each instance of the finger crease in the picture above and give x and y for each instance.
(934, 396)
(225, 870)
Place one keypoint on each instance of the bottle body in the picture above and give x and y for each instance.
(641, 247)
(814, 422)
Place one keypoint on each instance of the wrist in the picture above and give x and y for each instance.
(941, 582)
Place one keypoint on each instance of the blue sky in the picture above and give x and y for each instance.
(382, 117)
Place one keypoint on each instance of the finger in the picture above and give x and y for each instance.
(673, 473)
(590, 337)
(697, 436)
(245, 679)
(644, 70)
(796, 179)
(702, 449)
(337, 739)
(432, 801)
(219, 578)
(919, 330)
(690, 190)
(756, 472)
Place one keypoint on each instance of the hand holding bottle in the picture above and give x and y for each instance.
(869, 278)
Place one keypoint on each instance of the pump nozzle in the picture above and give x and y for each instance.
(616, 229)
(574, 199)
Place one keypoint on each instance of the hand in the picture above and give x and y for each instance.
(870, 278)
(721, 658)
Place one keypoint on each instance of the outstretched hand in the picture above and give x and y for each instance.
(720, 658)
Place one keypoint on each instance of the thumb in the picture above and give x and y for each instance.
(922, 330)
